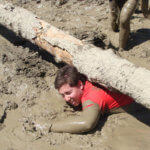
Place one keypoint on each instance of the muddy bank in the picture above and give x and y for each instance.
(28, 100)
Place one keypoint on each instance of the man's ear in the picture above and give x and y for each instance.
(80, 84)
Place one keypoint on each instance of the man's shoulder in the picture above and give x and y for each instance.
(93, 93)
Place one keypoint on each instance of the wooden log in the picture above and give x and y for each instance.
(103, 67)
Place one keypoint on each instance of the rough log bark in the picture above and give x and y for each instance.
(103, 67)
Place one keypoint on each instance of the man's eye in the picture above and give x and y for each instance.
(68, 93)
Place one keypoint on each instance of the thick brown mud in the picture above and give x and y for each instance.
(28, 100)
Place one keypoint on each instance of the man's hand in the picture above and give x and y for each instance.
(43, 129)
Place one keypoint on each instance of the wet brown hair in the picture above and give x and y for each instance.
(68, 74)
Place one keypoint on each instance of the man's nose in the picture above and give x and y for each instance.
(67, 98)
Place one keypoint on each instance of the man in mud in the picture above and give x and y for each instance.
(76, 89)
(120, 14)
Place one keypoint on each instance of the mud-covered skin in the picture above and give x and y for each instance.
(122, 13)
(115, 9)
(145, 8)
(113, 15)
(126, 13)
(78, 124)
(89, 118)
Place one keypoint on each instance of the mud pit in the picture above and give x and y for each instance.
(28, 100)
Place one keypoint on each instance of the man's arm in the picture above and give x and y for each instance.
(83, 123)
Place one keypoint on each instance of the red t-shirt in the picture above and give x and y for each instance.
(104, 98)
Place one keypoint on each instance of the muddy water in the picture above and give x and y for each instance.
(129, 134)
(29, 102)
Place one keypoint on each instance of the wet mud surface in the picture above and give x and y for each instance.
(28, 100)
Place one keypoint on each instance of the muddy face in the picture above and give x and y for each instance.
(73, 94)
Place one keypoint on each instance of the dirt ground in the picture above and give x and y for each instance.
(28, 100)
